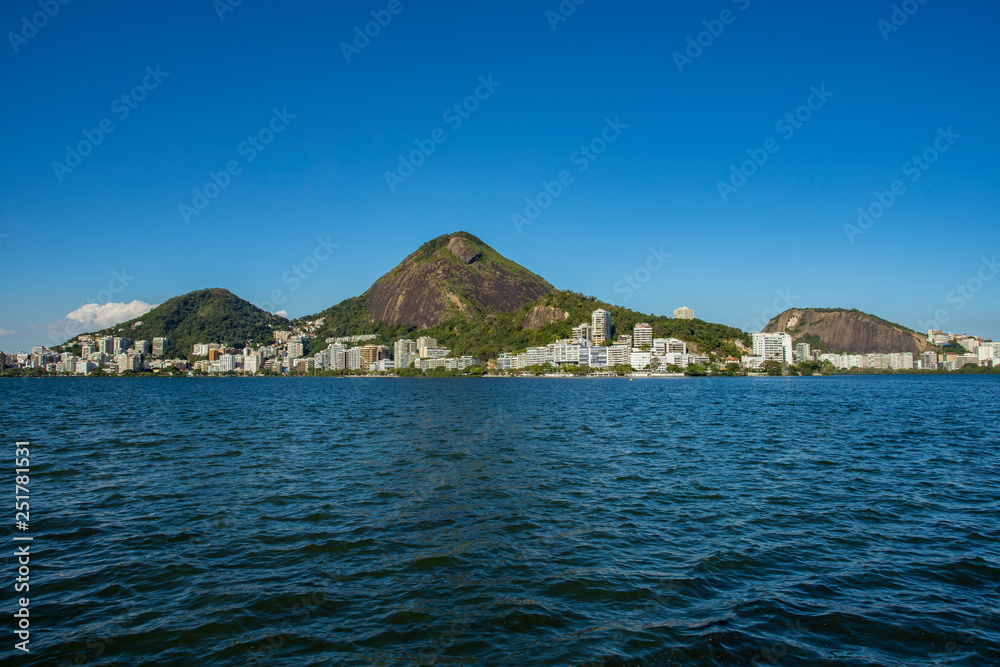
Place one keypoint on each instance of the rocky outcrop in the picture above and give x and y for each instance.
(539, 316)
(460, 249)
(452, 274)
(847, 330)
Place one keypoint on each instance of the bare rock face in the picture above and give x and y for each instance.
(848, 330)
(460, 249)
(429, 286)
(539, 316)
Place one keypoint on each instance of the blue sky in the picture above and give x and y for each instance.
(777, 240)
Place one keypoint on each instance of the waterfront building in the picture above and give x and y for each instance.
(251, 363)
(639, 359)
(564, 352)
(227, 363)
(404, 352)
(506, 362)
(803, 352)
(773, 346)
(538, 356)
(372, 353)
(382, 365)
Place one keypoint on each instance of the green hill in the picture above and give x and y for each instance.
(205, 316)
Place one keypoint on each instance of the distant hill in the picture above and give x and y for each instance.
(841, 330)
(475, 301)
(204, 316)
(452, 274)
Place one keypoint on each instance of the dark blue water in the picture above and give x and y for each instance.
(792, 521)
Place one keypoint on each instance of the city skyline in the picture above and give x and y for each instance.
(635, 153)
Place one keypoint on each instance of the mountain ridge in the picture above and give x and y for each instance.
(452, 272)
(847, 330)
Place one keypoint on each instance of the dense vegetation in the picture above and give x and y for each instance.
(486, 337)
(205, 316)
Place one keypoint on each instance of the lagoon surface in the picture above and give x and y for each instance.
(329, 521)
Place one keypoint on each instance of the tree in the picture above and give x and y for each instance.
(772, 367)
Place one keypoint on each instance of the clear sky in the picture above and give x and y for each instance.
(330, 121)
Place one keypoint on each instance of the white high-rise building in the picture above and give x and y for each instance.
(119, 345)
(773, 347)
(600, 323)
(296, 349)
(642, 334)
(143, 347)
(336, 358)
(683, 313)
(105, 345)
(352, 359)
(251, 363)
(160, 346)
(227, 363)
(618, 355)
(404, 352)
(639, 360)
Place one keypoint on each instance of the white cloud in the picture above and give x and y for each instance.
(4, 332)
(101, 316)
(282, 313)
(94, 316)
